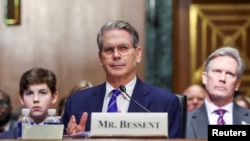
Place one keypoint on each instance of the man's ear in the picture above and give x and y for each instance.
(204, 77)
(139, 54)
(100, 58)
(237, 85)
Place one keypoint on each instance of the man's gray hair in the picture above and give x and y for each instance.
(227, 51)
(118, 24)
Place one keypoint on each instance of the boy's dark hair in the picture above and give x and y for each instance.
(37, 76)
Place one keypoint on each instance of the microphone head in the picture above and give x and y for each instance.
(122, 88)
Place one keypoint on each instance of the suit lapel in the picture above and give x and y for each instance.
(240, 114)
(138, 95)
(200, 122)
(236, 115)
(96, 102)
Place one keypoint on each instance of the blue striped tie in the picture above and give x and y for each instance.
(112, 106)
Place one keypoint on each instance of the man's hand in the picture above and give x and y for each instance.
(73, 128)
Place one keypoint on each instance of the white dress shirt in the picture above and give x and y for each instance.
(213, 117)
(122, 100)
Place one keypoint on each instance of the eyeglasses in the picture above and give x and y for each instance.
(4, 103)
(121, 49)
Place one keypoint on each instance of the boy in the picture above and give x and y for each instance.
(37, 91)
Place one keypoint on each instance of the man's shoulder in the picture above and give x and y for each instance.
(151, 87)
(13, 123)
(155, 91)
(10, 134)
(196, 112)
(241, 110)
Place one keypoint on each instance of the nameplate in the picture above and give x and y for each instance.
(42, 131)
(129, 125)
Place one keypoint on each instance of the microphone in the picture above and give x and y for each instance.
(123, 89)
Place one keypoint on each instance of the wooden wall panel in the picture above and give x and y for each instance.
(215, 24)
(181, 46)
(61, 35)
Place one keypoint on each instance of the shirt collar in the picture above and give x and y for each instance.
(129, 88)
(211, 107)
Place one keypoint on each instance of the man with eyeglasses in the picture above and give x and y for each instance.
(6, 121)
(119, 53)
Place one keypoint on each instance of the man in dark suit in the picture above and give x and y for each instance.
(221, 77)
(6, 121)
(119, 54)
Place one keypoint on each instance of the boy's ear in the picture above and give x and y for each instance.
(55, 97)
(21, 100)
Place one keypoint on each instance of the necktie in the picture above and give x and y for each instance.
(221, 113)
(112, 106)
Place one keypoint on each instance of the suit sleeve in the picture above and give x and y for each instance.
(174, 119)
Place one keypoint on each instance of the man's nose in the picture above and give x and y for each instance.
(116, 52)
(223, 76)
